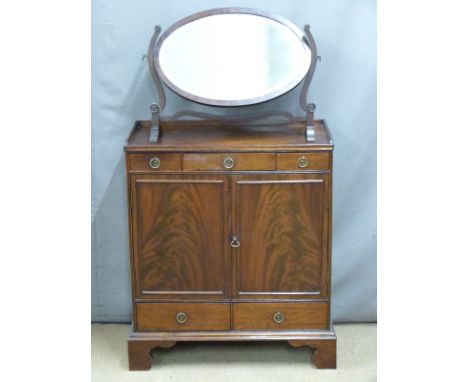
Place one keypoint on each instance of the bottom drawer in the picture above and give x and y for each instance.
(183, 316)
(280, 316)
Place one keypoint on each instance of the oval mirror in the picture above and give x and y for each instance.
(232, 57)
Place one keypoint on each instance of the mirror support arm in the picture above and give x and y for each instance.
(310, 131)
(309, 108)
(154, 131)
(155, 108)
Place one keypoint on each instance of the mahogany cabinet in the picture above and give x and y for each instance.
(230, 236)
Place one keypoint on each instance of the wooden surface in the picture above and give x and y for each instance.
(242, 162)
(139, 353)
(324, 356)
(260, 316)
(281, 224)
(183, 220)
(290, 161)
(140, 344)
(180, 225)
(141, 162)
(211, 136)
(202, 316)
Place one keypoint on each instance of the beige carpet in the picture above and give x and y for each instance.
(240, 361)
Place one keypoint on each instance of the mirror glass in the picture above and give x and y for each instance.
(232, 59)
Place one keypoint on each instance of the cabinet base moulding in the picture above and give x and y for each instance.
(140, 344)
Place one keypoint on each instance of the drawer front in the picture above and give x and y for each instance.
(183, 316)
(280, 316)
(154, 162)
(303, 161)
(229, 162)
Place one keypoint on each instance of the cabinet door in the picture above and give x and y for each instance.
(180, 236)
(282, 224)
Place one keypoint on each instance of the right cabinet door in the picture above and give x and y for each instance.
(282, 223)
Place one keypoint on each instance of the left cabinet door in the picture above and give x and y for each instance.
(179, 235)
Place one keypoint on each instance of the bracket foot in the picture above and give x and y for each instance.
(139, 353)
(324, 356)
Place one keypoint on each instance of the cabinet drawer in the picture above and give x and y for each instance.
(303, 161)
(280, 316)
(229, 162)
(183, 316)
(154, 162)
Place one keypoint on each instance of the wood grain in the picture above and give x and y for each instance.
(323, 341)
(162, 316)
(259, 316)
(324, 356)
(183, 216)
(289, 161)
(280, 221)
(212, 135)
(180, 236)
(236, 335)
(169, 162)
(139, 353)
(242, 162)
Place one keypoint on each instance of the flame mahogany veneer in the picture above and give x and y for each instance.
(230, 236)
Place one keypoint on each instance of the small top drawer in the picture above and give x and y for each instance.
(154, 162)
(303, 161)
(229, 162)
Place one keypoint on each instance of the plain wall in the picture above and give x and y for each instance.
(343, 88)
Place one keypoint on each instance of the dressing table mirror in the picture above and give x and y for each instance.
(230, 216)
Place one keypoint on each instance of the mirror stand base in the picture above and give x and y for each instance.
(310, 133)
(154, 134)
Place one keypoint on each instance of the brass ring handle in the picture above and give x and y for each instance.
(278, 317)
(303, 162)
(235, 243)
(154, 162)
(181, 317)
(228, 163)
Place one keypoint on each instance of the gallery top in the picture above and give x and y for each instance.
(216, 135)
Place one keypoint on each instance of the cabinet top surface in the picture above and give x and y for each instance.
(211, 135)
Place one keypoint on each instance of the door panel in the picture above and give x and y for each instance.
(180, 231)
(281, 222)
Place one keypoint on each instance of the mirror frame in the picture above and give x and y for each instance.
(232, 10)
